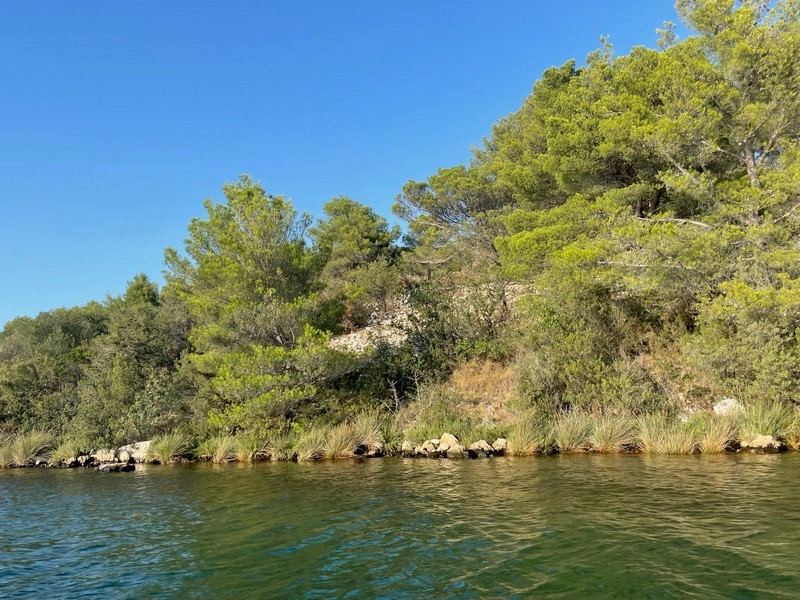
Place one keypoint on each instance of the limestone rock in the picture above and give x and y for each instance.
(481, 449)
(500, 446)
(430, 446)
(116, 467)
(727, 406)
(449, 439)
(104, 455)
(407, 449)
(136, 452)
(762, 443)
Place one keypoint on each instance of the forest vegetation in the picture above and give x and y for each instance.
(621, 251)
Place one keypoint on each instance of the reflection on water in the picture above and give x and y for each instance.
(556, 527)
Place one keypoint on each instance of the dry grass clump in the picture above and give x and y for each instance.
(5, 452)
(531, 434)
(660, 434)
(483, 389)
(27, 448)
(66, 450)
(249, 447)
(612, 434)
(766, 418)
(714, 433)
(281, 447)
(311, 444)
(218, 449)
(169, 447)
(571, 431)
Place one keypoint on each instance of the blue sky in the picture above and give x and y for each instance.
(119, 118)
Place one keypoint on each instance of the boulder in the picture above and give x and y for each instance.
(727, 406)
(430, 446)
(762, 443)
(500, 446)
(407, 449)
(116, 467)
(449, 439)
(136, 452)
(481, 449)
(104, 455)
(455, 451)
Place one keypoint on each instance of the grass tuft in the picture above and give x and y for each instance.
(218, 449)
(65, 451)
(571, 431)
(531, 434)
(169, 447)
(311, 444)
(27, 448)
(766, 418)
(612, 434)
(660, 434)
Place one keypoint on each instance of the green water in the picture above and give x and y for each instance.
(556, 527)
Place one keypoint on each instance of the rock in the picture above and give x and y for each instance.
(456, 451)
(481, 449)
(430, 446)
(500, 446)
(762, 443)
(407, 449)
(449, 439)
(728, 406)
(104, 455)
(116, 467)
(136, 452)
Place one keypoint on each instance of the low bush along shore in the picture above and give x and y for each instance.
(767, 427)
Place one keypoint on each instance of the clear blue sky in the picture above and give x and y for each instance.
(119, 118)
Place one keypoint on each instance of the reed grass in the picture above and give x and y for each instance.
(249, 447)
(5, 452)
(612, 434)
(766, 418)
(714, 433)
(27, 448)
(531, 434)
(311, 444)
(169, 447)
(571, 431)
(661, 434)
(66, 450)
(218, 449)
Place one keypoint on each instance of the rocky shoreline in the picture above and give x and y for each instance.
(447, 446)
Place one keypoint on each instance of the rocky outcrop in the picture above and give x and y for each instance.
(728, 406)
(449, 446)
(762, 444)
(116, 467)
(136, 452)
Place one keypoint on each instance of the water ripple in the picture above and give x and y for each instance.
(556, 527)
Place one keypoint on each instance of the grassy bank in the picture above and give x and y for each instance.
(390, 434)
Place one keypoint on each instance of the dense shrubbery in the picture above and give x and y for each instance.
(623, 249)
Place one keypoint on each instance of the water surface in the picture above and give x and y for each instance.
(556, 527)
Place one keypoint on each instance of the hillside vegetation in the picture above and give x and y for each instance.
(625, 245)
